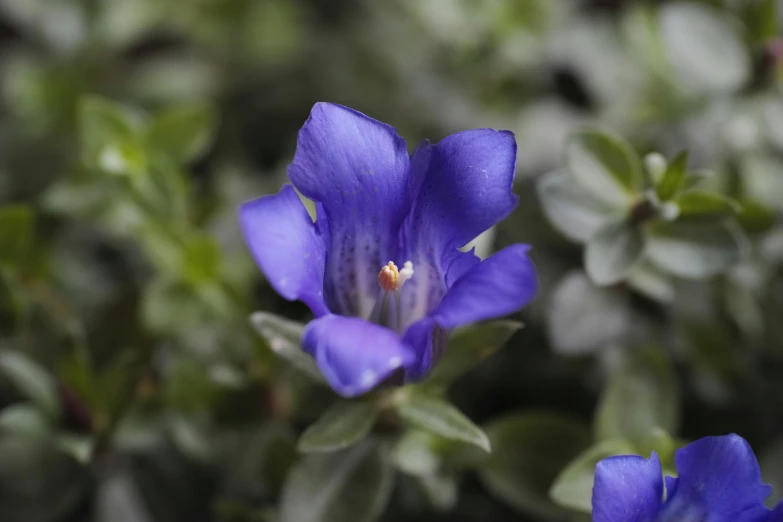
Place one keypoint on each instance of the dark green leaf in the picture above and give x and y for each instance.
(606, 166)
(32, 380)
(695, 250)
(183, 132)
(613, 251)
(640, 398)
(571, 208)
(343, 424)
(284, 338)
(573, 487)
(530, 450)
(762, 19)
(673, 178)
(704, 206)
(470, 345)
(351, 485)
(437, 416)
(16, 234)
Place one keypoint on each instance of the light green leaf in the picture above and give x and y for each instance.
(284, 338)
(573, 487)
(704, 206)
(183, 132)
(351, 485)
(613, 251)
(673, 177)
(762, 180)
(470, 345)
(344, 424)
(16, 234)
(32, 380)
(104, 125)
(24, 420)
(641, 397)
(656, 166)
(437, 416)
(651, 281)
(414, 454)
(606, 166)
(695, 250)
(530, 450)
(583, 317)
(704, 48)
(571, 208)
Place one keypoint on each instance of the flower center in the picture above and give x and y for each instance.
(386, 311)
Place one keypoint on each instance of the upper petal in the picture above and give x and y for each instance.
(718, 479)
(463, 186)
(356, 168)
(501, 284)
(285, 244)
(627, 489)
(353, 354)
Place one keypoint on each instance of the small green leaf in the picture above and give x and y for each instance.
(104, 124)
(640, 398)
(284, 338)
(530, 450)
(441, 418)
(583, 317)
(344, 424)
(673, 178)
(606, 166)
(470, 345)
(573, 487)
(704, 206)
(613, 251)
(351, 485)
(16, 234)
(32, 380)
(571, 208)
(183, 132)
(695, 250)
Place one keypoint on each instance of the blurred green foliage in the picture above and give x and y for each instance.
(134, 384)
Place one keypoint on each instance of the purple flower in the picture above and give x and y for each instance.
(379, 209)
(719, 481)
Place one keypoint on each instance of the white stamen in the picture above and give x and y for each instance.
(405, 274)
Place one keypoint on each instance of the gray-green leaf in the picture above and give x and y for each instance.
(32, 380)
(613, 251)
(640, 398)
(284, 338)
(345, 423)
(351, 485)
(573, 487)
(183, 132)
(606, 166)
(437, 416)
(695, 250)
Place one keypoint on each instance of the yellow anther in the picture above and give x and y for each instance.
(392, 279)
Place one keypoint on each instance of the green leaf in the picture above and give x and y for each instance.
(573, 487)
(673, 177)
(16, 234)
(470, 345)
(762, 19)
(183, 132)
(583, 318)
(105, 126)
(437, 416)
(613, 251)
(606, 166)
(284, 338)
(32, 380)
(651, 281)
(414, 453)
(656, 166)
(704, 206)
(704, 48)
(640, 397)
(350, 485)
(571, 208)
(762, 180)
(530, 450)
(695, 250)
(24, 420)
(344, 424)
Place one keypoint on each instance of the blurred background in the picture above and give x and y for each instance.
(133, 387)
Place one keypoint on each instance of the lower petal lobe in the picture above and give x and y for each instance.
(355, 355)
(285, 244)
(356, 169)
(627, 489)
(719, 478)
